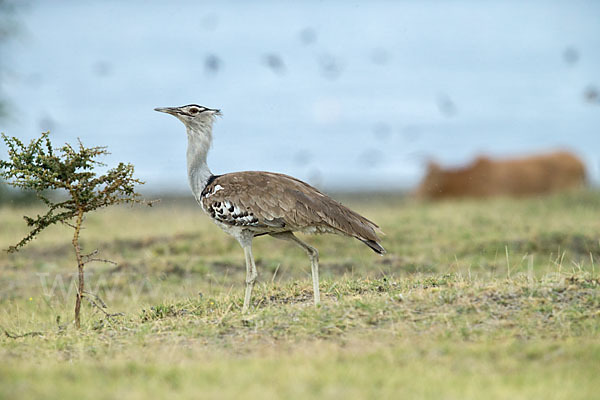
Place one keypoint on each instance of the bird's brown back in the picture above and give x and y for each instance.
(285, 203)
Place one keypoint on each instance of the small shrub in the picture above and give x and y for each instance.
(43, 169)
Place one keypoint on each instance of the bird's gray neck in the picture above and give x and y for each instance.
(199, 141)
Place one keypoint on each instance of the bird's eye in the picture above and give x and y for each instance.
(194, 111)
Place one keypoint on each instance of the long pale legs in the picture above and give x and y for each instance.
(313, 255)
(251, 274)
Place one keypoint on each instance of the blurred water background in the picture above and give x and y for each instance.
(346, 95)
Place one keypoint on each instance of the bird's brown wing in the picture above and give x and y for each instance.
(268, 200)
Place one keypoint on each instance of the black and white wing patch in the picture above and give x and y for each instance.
(229, 213)
(232, 205)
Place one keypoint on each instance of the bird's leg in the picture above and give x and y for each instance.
(245, 239)
(313, 255)
(251, 275)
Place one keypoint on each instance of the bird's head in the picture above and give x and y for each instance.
(193, 116)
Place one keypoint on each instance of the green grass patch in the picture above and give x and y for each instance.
(497, 299)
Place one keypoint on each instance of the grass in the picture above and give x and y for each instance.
(496, 299)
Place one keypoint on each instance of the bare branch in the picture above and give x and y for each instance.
(68, 224)
(13, 336)
(109, 316)
(96, 297)
(100, 260)
(93, 253)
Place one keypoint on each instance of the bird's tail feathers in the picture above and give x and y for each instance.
(374, 245)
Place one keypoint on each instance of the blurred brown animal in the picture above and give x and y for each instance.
(526, 176)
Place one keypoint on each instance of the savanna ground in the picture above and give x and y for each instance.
(496, 299)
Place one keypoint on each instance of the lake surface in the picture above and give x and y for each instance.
(346, 95)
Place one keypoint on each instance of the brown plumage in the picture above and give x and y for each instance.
(268, 202)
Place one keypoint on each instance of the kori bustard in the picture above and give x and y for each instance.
(253, 203)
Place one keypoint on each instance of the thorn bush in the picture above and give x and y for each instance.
(71, 170)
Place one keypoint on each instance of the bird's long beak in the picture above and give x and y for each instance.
(168, 110)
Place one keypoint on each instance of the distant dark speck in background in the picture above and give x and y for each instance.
(274, 62)
(330, 66)
(212, 63)
(571, 55)
(592, 95)
(308, 36)
(446, 106)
